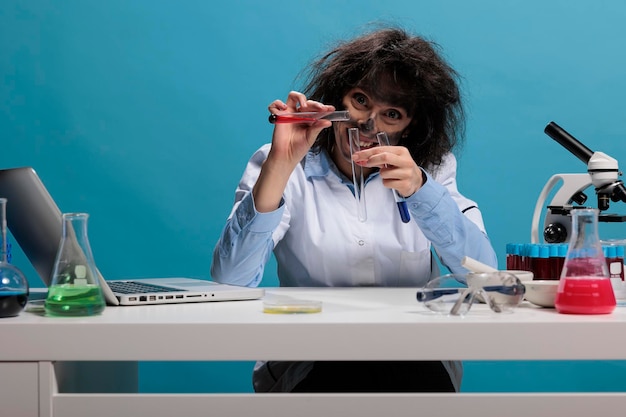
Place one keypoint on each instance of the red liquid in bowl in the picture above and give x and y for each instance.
(585, 296)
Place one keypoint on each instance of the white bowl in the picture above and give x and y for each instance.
(541, 292)
(521, 275)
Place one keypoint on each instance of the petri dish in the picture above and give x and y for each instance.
(288, 305)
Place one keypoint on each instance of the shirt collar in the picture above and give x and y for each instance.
(318, 164)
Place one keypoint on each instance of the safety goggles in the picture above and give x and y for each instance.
(454, 294)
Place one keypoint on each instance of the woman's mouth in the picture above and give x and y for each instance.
(367, 145)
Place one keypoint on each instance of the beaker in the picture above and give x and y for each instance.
(585, 286)
(13, 284)
(75, 289)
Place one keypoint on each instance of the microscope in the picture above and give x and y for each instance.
(602, 173)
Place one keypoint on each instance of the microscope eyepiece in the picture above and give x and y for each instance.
(569, 142)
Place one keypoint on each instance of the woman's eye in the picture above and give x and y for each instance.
(393, 114)
(360, 99)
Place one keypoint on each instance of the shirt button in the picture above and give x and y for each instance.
(361, 242)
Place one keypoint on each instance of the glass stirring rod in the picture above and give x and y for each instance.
(309, 117)
(383, 140)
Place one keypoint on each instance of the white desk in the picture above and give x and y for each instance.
(356, 324)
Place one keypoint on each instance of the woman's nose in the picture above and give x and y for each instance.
(367, 126)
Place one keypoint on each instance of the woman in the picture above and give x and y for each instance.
(297, 198)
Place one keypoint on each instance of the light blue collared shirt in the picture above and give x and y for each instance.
(318, 239)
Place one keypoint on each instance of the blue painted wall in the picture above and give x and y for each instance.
(143, 113)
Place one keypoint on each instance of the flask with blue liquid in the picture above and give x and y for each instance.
(13, 284)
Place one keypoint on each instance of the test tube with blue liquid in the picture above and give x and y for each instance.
(383, 140)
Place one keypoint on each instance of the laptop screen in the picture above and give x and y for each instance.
(33, 218)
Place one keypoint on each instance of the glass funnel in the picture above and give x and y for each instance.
(13, 284)
(585, 286)
(75, 289)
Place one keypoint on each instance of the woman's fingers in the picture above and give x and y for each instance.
(383, 155)
(297, 102)
(276, 106)
(398, 170)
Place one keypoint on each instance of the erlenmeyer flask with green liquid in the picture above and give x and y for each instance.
(75, 289)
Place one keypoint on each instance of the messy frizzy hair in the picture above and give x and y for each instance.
(401, 69)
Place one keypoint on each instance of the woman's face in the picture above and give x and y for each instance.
(370, 116)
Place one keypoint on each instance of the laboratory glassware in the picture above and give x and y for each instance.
(585, 286)
(75, 289)
(14, 289)
(405, 216)
(358, 179)
(309, 117)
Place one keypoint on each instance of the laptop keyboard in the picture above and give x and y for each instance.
(134, 287)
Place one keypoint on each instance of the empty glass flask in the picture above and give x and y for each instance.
(75, 289)
(585, 286)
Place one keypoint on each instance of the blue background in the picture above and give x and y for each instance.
(144, 113)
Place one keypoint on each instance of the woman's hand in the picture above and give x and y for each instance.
(398, 170)
(291, 141)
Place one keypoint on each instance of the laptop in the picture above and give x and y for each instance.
(35, 222)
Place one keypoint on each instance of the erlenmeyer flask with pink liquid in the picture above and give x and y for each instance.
(585, 286)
